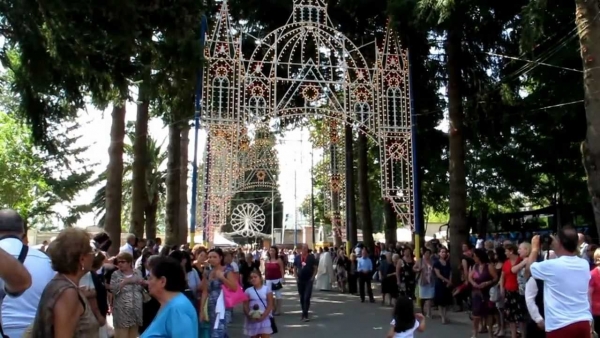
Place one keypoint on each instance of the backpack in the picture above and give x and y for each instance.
(21, 258)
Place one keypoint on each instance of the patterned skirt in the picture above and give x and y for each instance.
(514, 307)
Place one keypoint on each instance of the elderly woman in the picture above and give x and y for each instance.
(127, 287)
(246, 267)
(63, 310)
(151, 306)
(387, 275)
(177, 317)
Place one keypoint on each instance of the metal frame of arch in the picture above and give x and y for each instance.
(301, 69)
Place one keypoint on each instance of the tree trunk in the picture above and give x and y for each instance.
(114, 178)
(352, 235)
(458, 188)
(391, 222)
(336, 218)
(151, 215)
(482, 223)
(139, 198)
(588, 27)
(183, 197)
(363, 192)
(173, 186)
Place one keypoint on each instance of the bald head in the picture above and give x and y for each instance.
(581, 238)
(11, 222)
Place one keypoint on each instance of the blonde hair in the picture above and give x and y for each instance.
(67, 249)
(527, 246)
(597, 257)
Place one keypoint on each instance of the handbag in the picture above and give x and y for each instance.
(276, 286)
(271, 318)
(233, 298)
(494, 292)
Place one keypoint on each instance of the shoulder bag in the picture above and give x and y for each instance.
(271, 318)
(233, 298)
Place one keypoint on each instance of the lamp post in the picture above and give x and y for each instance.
(312, 196)
(272, 217)
(295, 213)
(198, 109)
(415, 162)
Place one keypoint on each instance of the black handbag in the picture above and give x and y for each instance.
(276, 286)
(272, 319)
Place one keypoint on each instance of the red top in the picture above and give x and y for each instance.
(595, 287)
(510, 278)
(272, 271)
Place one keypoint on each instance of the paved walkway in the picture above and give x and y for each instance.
(333, 313)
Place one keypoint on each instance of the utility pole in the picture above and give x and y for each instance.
(295, 212)
(273, 217)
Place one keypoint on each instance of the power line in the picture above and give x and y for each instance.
(534, 62)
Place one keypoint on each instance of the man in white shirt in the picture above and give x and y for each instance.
(566, 280)
(14, 277)
(129, 246)
(18, 313)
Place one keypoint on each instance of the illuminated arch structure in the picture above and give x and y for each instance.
(304, 68)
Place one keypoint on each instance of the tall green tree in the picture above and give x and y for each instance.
(155, 188)
(537, 19)
(35, 183)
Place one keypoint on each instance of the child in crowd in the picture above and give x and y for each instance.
(258, 308)
(405, 321)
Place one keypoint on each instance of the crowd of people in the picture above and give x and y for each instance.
(70, 287)
(548, 287)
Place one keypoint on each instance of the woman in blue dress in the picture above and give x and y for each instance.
(213, 301)
(177, 316)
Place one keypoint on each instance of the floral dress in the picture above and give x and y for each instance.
(214, 291)
(408, 279)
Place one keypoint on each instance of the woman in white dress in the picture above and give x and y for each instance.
(325, 275)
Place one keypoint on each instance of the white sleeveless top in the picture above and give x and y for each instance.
(408, 333)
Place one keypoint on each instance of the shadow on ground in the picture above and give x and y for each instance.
(344, 315)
